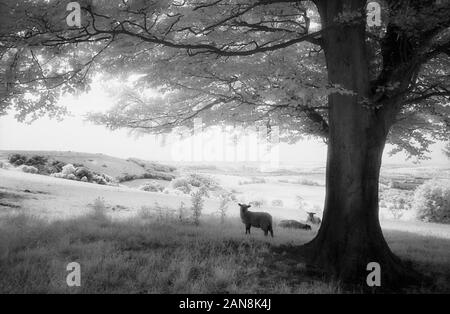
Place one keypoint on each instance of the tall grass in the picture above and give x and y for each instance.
(144, 254)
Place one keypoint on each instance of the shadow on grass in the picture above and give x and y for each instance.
(430, 256)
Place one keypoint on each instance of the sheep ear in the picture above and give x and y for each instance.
(239, 204)
(248, 206)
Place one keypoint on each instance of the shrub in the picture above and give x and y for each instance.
(223, 206)
(258, 203)
(145, 212)
(55, 166)
(152, 186)
(197, 206)
(68, 169)
(253, 180)
(5, 165)
(277, 203)
(99, 179)
(28, 169)
(432, 201)
(148, 175)
(99, 209)
(181, 211)
(107, 178)
(81, 172)
(156, 175)
(198, 181)
(182, 185)
(127, 177)
(37, 161)
(304, 181)
(17, 159)
(302, 204)
(204, 191)
(71, 176)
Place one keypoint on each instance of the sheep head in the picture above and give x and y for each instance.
(244, 207)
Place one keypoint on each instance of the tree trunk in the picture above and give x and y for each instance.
(350, 236)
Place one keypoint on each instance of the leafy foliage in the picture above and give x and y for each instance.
(211, 59)
(197, 206)
(432, 201)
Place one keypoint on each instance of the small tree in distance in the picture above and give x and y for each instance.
(197, 206)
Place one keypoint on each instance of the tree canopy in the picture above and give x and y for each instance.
(307, 67)
(226, 61)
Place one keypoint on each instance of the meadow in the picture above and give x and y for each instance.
(151, 254)
(131, 241)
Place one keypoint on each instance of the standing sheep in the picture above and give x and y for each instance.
(256, 219)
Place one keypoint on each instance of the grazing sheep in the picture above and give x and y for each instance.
(312, 219)
(256, 219)
(294, 224)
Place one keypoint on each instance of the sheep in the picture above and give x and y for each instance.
(294, 224)
(256, 219)
(312, 219)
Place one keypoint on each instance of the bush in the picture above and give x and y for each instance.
(258, 203)
(396, 202)
(28, 169)
(277, 203)
(253, 180)
(223, 206)
(99, 209)
(305, 181)
(68, 169)
(17, 159)
(148, 175)
(152, 186)
(198, 180)
(99, 179)
(432, 201)
(181, 210)
(5, 165)
(182, 185)
(81, 172)
(71, 176)
(197, 206)
(37, 161)
(55, 166)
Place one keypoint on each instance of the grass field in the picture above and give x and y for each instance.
(123, 246)
(146, 255)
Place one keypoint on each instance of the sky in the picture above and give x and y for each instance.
(75, 134)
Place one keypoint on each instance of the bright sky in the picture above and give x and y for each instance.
(74, 134)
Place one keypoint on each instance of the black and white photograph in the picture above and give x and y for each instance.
(229, 150)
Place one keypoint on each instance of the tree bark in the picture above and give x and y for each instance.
(350, 236)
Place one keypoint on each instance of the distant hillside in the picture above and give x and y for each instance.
(118, 168)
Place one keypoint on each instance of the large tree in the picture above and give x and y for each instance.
(311, 67)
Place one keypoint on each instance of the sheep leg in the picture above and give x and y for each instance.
(271, 231)
(247, 229)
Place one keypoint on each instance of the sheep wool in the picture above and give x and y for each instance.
(256, 219)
